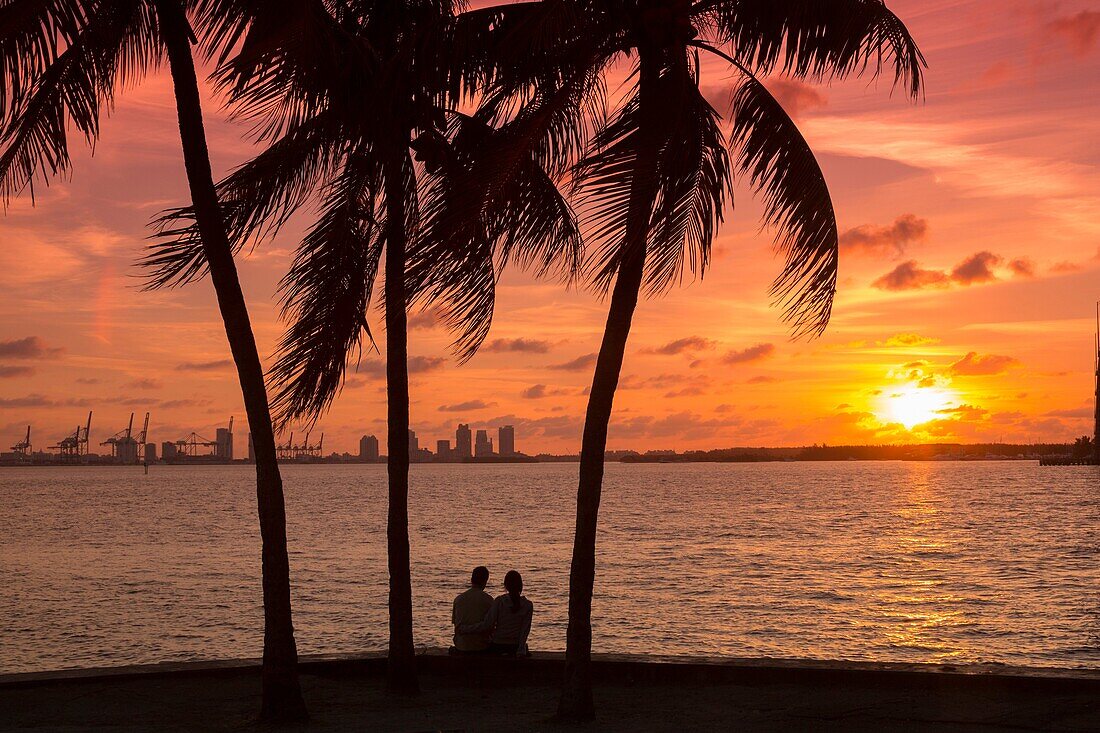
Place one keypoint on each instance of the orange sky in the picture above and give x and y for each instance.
(970, 229)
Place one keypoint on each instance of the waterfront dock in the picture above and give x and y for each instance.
(633, 693)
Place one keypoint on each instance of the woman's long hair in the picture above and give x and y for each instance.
(513, 583)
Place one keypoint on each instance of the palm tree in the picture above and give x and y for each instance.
(655, 179)
(61, 62)
(361, 111)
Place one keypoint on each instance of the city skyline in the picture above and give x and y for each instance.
(969, 252)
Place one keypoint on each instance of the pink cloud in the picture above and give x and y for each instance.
(522, 345)
(11, 372)
(885, 240)
(796, 97)
(977, 268)
(751, 354)
(30, 347)
(1022, 267)
(680, 346)
(977, 365)
(1080, 31)
(575, 365)
(910, 276)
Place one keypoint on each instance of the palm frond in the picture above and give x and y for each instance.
(783, 169)
(693, 180)
(72, 88)
(820, 39)
(487, 205)
(326, 294)
(288, 62)
(604, 182)
(257, 199)
(33, 34)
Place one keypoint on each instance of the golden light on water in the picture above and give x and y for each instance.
(911, 405)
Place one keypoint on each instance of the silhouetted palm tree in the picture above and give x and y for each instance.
(349, 111)
(61, 63)
(654, 181)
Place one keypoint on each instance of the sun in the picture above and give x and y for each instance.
(912, 406)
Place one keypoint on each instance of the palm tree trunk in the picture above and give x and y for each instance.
(282, 695)
(576, 700)
(401, 666)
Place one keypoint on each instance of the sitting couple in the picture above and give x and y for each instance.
(484, 625)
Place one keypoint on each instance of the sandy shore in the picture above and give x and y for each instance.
(347, 694)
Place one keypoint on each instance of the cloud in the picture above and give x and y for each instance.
(1062, 268)
(1079, 412)
(11, 372)
(144, 383)
(751, 354)
(34, 400)
(974, 270)
(762, 379)
(796, 97)
(421, 364)
(910, 339)
(977, 268)
(30, 347)
(204, 366)
(680, 346)
(681, 425)
(376, 368)
(888, 240)
(910, 276)
(1080, 32)
(1022, 267)
(464, 406)
(575, 365)
(964, 412)
(976, 365)
(538, 391)
(425, 320)
(685, 392)
(172, 404)
(526, 346)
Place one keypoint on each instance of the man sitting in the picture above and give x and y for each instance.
(470, 607)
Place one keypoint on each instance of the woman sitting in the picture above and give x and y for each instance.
(508, 620)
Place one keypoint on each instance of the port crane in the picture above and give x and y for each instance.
(75, 447)
(120, 440)
(23, 449)
(194, 445)
(290, 451)
(142, 439)
(125, 448)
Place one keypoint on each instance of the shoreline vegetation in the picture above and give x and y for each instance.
(659, 693)
(813, 453)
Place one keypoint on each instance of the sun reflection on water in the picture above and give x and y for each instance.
(916, 601)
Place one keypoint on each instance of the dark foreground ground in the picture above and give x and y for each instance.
(507, 695)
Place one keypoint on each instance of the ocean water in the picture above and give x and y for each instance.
(924, 562)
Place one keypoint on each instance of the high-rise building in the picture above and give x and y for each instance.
(168, 451)
(442, 450)
(150, 452)
(506, 440)
(483, 446)
(463, 446)
(224, 448)
(414, 443)
(368, 448)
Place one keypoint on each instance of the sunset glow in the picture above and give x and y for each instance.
(970, 226)
(912, 406)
